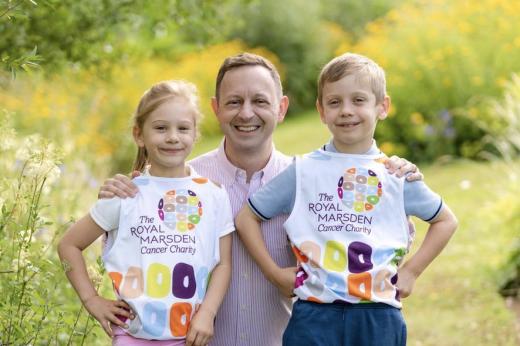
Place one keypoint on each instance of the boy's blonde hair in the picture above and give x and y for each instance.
(353, 64)
(154, 97)
(247, 59)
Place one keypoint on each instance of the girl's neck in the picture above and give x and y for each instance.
(170, 172)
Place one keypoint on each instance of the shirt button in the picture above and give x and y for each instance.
(243, 307)
(242, 336)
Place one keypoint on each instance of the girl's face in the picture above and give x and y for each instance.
(168, 135)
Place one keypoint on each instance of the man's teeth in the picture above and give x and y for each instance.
(247, 128)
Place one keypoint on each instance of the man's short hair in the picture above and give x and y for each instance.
(247, 59)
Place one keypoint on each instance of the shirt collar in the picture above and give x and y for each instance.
(374, 150)
(231, 173)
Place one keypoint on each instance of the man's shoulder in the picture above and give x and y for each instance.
(282, 160)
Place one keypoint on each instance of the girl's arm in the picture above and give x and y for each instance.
(78, 237)
(201, 326)
(439, 233)
(249, 231)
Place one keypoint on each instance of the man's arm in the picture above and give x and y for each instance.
(249, 231)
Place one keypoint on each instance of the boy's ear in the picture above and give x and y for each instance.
(138, 138)
(214, 105)
(384, 108)
(319, 107)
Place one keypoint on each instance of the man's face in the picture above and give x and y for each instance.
(248, 108)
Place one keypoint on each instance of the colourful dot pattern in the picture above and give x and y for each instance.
(180, 210)
(360, 189)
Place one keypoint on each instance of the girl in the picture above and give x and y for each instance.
(163, 244)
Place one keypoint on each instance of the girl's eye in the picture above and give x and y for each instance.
(359, 100)
(160, 128)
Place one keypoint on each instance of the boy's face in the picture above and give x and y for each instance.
(350, 112)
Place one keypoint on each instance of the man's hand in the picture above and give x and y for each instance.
(201, 328)
(119, 186)
(107, 311)
(402, 167)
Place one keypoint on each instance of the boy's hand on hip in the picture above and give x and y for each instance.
(284, 279)
(405, 282)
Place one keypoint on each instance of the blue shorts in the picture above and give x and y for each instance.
(366, 324)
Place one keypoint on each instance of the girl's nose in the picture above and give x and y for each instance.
(172, 137)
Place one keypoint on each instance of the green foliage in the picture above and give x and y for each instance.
(499, 120)
(439, 56)
(36, 307)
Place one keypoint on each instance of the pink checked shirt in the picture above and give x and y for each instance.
(253, 311)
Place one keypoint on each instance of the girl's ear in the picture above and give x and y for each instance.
(138, 136)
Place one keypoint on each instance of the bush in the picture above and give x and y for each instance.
(87, 114)
(36, 307)
(438, 56)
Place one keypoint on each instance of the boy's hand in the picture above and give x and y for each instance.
(120, 185)
(107, 311)
(405, 282)
(284, 279)
(401, 167)
(201, 328)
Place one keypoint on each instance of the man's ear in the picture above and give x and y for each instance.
(319, 107)
(384, 108)
(282, 108)
(138, 137)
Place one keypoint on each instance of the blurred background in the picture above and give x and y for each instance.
(72, 72)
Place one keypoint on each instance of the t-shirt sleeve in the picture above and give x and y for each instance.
(105, 213)
(421, 201)
(277, 196)
(225, 214)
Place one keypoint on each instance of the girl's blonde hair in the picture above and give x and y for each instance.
(154, 97)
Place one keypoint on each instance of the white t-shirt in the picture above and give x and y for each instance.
(162, 246)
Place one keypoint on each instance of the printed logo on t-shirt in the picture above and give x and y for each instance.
(180, 210)
(359, 189)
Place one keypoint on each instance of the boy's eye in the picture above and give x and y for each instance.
(359, 100)
(333, 102)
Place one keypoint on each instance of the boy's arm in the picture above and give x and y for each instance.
(201, 326)
(79, 236)
(439, 233)
(249, 231)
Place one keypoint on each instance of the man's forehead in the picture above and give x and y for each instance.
(255, 79)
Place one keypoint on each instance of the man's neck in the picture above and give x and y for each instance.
(250, 161)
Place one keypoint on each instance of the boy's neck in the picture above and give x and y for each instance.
(355, 150)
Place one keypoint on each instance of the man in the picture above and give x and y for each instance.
(248, 103)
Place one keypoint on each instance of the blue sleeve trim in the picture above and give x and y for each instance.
(436, 213)
(259, 214)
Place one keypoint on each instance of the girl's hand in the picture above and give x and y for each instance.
(201, 328)
(120, 185)
(405, 282)
(402, 167)
(107, 311)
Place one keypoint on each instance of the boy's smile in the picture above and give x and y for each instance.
(350, 111)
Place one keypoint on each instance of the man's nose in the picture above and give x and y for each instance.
(246, 111)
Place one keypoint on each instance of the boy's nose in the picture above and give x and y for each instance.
(346, 110)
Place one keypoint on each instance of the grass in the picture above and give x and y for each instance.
(455, 301)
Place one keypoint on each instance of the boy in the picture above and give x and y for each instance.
(347, 222)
